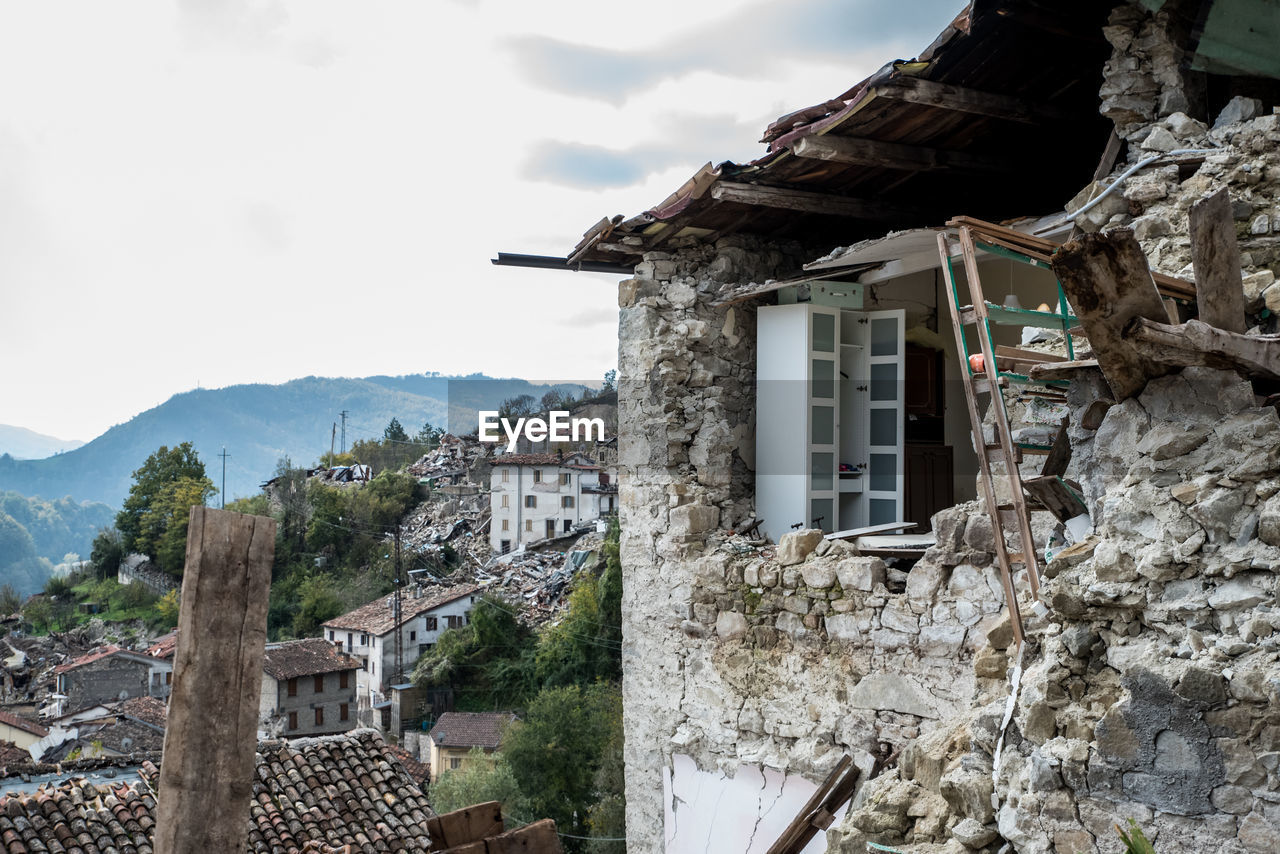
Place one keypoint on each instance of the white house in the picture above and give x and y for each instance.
(537, 496)
(368, 633)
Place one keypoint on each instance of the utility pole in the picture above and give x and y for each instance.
(223, 494)
(395, 615)
(332, 434)
(343, 414)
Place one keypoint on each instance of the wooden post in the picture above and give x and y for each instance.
(1216, 258)
(206, 777)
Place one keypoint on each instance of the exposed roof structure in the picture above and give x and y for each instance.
(23, 724)
(376, 618)
(1008, 84)
(12, 754)
(470, 729)
(164, 646)
(317, 793)
(149, 710)
(306, 657)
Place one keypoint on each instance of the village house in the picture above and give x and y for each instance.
(368, 633)
(790, 366)
(110, 674)
(19, 730)
(535, 497)
(308, 688)
(456, 734)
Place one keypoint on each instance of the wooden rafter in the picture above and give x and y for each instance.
(962, 99)
(805, 201)
(894, 155)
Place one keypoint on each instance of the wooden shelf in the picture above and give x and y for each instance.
(1003, 316)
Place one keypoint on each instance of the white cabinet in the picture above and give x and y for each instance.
(829, 409)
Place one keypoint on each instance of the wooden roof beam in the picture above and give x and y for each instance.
(894, 155)
(962, 99)
(805, 201)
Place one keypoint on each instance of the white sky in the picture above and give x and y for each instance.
(207, 192)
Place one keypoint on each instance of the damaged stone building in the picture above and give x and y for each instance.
(789, 369)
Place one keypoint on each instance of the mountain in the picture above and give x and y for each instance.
(36, 534)
(29, 445)
(258, 424)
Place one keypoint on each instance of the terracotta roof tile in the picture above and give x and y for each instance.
(98, 655)
(146, 709)
(164, 646)
(22, 724)
(376, 618)
(12, 754)
(306, 657)
(470, 729)
(419, 771)
(313, 794)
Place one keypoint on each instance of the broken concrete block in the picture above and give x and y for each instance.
(794, 547)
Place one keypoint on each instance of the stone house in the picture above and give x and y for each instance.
(1144, 685)
(456, 734)
(535, 497)
(111, 674)
(308, 688)
(368, 633)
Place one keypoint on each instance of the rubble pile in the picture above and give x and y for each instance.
(457, 460)
(429, 528)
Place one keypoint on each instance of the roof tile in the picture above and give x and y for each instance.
(376, 618)
(306, 657)
(470, 729)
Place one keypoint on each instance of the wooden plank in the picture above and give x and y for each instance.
(1110, 152)
(1056, 496)
(537, 838)
(206, 779)
(1216, 258)
(895, 155)
(835, 790)
(469, 824)
(1027, 355)
(1197, 343)
(948, 96)
(1107, 280)
(871, 529)
(1061, 370)
(804, 201)
(1060, 455)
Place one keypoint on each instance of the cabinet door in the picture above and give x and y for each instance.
(885, 359)
(822, 406)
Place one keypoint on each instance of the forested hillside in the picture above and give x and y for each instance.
(36, 534)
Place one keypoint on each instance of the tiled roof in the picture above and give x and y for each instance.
(307, 657)
(98, 655)
(376, 618)
(22, 724)
(164, 646)
(146, 709)
(312, 794)
(12, 754)
(541, 460)
(419, 771)
(470, 729)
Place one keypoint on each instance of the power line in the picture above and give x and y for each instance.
(223, 494)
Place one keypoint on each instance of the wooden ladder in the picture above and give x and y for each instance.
(994, 382)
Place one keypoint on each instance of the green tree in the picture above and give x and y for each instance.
(429, 436)
(107, 553)
(489, 661)
(610, 379)
(394, 432)
(319, 602)
(482, 778)
(10, 601)
(557, 751)
(154, 518)
(587, 644)
(168, 607)
(39, 613)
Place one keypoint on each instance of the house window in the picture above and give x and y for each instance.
(566, 501)
(454, 622)
(344, 712)
(506, 524)
(344, 679)
(506, 475)
(330, 634)
(320, 684)
(293, 720)
(455, 763)
(504, 546)
(537, 475)
(531, 501)
(565, 478)
(168, 678)
(528, 524)
(506, 500)
(320, 716)
(293, 687)
(432, 624)
(413, 636)
(568, 524)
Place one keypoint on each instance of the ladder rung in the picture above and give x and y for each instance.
(995, 454)
(968, 317)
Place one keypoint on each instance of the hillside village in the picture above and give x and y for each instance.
(942, 515)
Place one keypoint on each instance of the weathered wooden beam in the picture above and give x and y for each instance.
(962, 99)
(1197, 343)
(895, 155)
(206, 779)
(464, 826)
(1107, 280)
(804, 201)
(1216, 258)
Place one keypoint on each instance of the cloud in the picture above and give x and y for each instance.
(749, 44)
(591, 317)
(687, 139)
(247, 25)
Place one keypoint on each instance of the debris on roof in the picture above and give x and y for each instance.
(376, 617)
